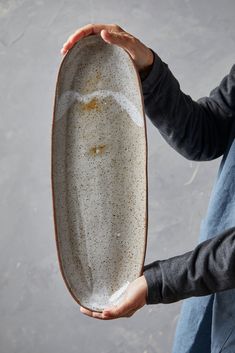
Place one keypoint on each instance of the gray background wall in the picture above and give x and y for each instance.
(37, 314)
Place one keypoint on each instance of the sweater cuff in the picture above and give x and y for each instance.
(149, 81)
(153, 276)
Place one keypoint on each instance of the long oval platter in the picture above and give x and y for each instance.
(99, 172)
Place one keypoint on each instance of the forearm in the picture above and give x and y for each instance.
(197, 130)
(208, 269)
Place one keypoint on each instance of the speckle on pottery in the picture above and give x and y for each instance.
(99, 172)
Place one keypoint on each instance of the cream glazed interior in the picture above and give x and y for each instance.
(99, 172)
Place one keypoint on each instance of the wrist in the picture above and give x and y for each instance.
(145, 69)
(144, 285)
(148, 62)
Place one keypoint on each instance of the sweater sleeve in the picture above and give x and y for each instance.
(196, 129)
(209, 268)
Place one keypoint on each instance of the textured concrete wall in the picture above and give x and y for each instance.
(37, 314)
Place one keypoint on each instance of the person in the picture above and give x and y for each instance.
(199, 130)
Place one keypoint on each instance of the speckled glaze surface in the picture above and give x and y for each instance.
(99, 172)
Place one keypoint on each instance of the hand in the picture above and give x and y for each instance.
(113, 34)
(134, 299)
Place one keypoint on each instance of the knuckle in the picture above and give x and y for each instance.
(116, 27)
(132, 40)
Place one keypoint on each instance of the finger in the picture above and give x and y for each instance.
(79, 34)
(117, 311)
(85, 31)
(93, 314)
(121, 39)
(116, 315)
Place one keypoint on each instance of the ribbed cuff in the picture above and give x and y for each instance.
(153, 276)
(149, 81)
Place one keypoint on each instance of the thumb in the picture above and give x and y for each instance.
(117, 310)
(119, 38)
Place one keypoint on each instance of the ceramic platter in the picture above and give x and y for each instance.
(99, 172)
